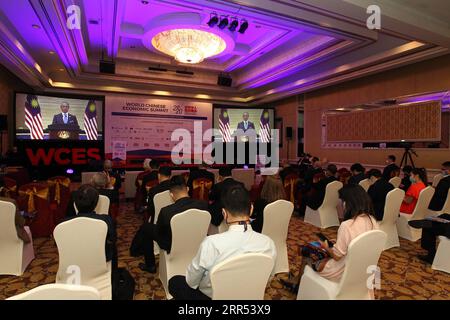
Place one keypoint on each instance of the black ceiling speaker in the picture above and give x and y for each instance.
(224, 80)
(107, 67)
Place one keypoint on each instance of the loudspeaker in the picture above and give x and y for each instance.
(107, 67)
(224, 81)
(289, 133)
(3, 122)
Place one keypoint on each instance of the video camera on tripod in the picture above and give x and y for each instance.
(407, 155)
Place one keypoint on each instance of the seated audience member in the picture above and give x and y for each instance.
(161, 232)
(357, 174)
(114, 178)
(239, 239)
(272, 191)
(441, 190)
(151, 175)
(287, 170)
(432, 229)
(315, 198)
(86, 199)
(315, 168)
(164, 174)
(418, 183)
(201, 172)
(19, 221)
(358, 219)
(406, 181)
(391, 169)
(100, 182)
(225, 182)
(378, 191)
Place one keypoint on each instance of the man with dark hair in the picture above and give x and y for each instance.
(198, 173)
(406, 181)
(315, 199)
(391, 169)
(161, 232)
(86, 200)
(225, 181)
(378, 192)
(357, 173)
(239, 239)
(441, 190)
(164, 174)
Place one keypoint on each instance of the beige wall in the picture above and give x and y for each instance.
(428, 76)
(288, 110)
(8, 84)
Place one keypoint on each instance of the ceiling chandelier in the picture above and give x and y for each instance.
(189, 45)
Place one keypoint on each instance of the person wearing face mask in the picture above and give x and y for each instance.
(378, 191)
(418, 183)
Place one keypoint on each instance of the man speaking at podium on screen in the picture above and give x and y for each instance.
(65, 117)
(245, 125)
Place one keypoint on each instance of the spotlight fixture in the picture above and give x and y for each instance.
(36, 26)
(243, 27)
(234, 24)
(223, 23)
(144, 2)
(213, 20)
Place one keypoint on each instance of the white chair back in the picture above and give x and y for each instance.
(446, 207)
(361, 261)
(389, 223)
(83, 257)
(57, 291)
(189, 229)
(243, 277)
(326, 215)
(161, 200)
(277, 216)
(102, 205)
(421, 210)
(365, 184)
(395, 181)
(436, 180)
(442, 258)
(331, 199)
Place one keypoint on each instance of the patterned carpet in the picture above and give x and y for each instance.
(403, 276)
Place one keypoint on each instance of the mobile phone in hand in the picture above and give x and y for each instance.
(322, 237)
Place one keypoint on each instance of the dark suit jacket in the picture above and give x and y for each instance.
(287, 171)
(196, 174)
(258, 214)
(163, 229)
(356, 179)
(117, 177)
(215, 196)
(250, 125)
(388, 171)
(309, 176)
(315, 200)
(111, 236)
(58, 119)
(378, 192)
(152, 175)
(440, 195)
(163, 186)
(405, 184)
(113, 196)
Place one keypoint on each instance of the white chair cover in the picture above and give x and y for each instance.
(102, 205)
(277, 216)
(436, 179)
(15, 256)
(389, 223)
(57, 291)
(442, 259)
(160, 200)
(361, 261)
(189, 229)
(365, 184)
(243, 277)
(81, 247)
(395, 181)
(326, 216)
(420, 212)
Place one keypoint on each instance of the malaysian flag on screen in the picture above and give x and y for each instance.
(90, 121)
(224, 125)
(33, 118)
(264, 132)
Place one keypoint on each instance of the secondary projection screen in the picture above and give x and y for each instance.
(413, 122)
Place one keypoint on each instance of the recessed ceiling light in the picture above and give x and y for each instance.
(36, 26)
(144, 2)
(51, 52)
(61, 69)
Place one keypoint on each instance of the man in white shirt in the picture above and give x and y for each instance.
(239, 239)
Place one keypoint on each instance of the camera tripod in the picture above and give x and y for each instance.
(407, 156)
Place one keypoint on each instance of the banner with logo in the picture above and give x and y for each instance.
(146, 125)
